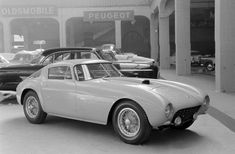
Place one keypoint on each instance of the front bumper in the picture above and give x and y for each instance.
(186, 114)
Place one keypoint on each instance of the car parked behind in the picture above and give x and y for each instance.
(12, 75)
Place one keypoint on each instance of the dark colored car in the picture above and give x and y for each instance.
(12, 75)
(131, 68)
(208, 62)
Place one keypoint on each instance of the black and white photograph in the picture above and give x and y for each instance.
(117, 76)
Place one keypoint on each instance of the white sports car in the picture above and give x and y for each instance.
(95, 91)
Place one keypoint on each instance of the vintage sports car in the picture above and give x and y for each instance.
(95, 91)
(12, 75)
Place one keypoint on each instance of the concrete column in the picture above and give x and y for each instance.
(62, 33)
(182, 37)
(71, 36)
(1, 38)
(225, 45)
(164, 40)
(7, 36)
(118, 34)
(154, 37)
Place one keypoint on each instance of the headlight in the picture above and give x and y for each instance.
(169, 111)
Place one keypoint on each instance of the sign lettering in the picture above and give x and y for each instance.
(28, 11)
(108, 15)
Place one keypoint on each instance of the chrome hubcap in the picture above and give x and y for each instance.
(32, 107)
(209, 67)
(128, 122)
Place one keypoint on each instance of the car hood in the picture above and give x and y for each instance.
(131, 65)
(134, 58)
(179, 94)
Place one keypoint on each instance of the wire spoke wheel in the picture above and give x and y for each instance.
(32, 107)
(128, 122)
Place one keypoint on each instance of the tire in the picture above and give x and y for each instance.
(184, 125)
(32, 108)
(129, 114)
(209, 67)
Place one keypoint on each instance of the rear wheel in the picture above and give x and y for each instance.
(131, 123)
(32, 108)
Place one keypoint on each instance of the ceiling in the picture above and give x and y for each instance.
(76, 3)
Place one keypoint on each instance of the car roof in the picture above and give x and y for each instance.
(78, 61)
(50, 51)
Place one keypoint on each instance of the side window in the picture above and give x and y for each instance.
(62, 56)
(67, 56)
(68, 74)
(85, 55)
(58, 57)
(48, 60)
(59, 73)
(79, 72)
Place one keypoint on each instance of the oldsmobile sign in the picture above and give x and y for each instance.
(108, 15)
(28, 11)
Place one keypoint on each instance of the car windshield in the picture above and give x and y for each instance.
(3, 60)
(107, 55)
(37, 60)
(22, 58)
(102, 70)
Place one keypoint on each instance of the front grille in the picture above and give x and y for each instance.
(186, 114)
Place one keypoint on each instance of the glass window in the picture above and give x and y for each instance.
(48, 60)
(59, 73)
(108, 55)
(86, 55)
(62, 56)
(3, 60)
(111, 70)
(79, 72)
(102, 70)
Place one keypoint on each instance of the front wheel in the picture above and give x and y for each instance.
(32, 108)
(131, 123)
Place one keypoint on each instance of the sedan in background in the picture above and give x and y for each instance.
(95, 91)
(12, 75)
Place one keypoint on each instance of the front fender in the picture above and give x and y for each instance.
(154, 106)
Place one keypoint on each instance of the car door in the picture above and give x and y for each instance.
(92, 100)
(59, 91)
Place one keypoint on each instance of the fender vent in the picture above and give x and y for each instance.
(146, 82)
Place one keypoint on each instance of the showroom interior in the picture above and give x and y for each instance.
(117, 76)
(151, 28)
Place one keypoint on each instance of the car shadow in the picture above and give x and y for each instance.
(175, 138)
(165, 137)
(76, 129)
